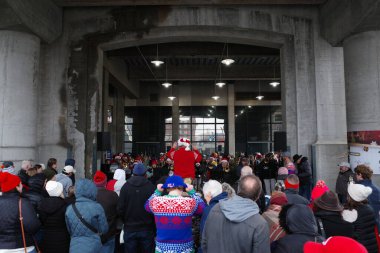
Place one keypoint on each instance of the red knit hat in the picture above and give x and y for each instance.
(278, 198)
(289, 185)
(335, 244)
(318, 190)
(8, 181)
(100, 179)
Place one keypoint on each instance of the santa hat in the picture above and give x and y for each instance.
(319, 189)
(335, 244)
(184, 142)
(100, 179)
(8, 181)
(54, 189)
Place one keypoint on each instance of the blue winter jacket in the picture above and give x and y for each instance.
(207, 209)
(374, 198)
(84, 240)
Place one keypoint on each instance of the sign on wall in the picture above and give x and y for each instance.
(365, 149)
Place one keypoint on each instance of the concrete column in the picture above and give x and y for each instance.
(362, 74)
(331, 145)
(175, 115)
(362, 69)
(19, 61)
(231, 118)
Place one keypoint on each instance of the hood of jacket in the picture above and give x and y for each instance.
(138, 181)
(86, 188)
(238, 209)
(300, 220)
(52, 204)
(216, 199)
(119, 175)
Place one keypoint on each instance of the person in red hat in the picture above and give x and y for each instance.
(11, 235)
(335, 244)
(108, 200)
(184, 158)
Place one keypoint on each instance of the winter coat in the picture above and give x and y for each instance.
(184, 161)
(82, 238)
(23, 176)
(36, 185)
(131, 203)
(294, 198)
(207, 209)
(267, 169)
(65, 181)
(10, 229)
(108, 200)
(235, 225)
(333, 224)
(303, 228)
(304, 171)
(52, 215)
(271, 217)
(363, 220)
(373, 198)
(342, 182)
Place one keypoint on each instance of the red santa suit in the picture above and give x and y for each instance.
(184, 159)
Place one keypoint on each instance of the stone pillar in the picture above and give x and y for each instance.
(175, 115)
(362, 69)
(19, 61)
(231, 118)
(331, 145)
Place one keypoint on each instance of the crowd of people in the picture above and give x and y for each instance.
(185, 202)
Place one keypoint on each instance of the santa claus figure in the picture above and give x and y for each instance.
(184, 158)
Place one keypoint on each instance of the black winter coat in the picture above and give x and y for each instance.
(10, 229)
(267, 169)
(35, 192)
(23, 176)
(364, 227)
(108, 200)
(130, 207)
(303, 227)
(56, 239)
(304, 171)
(333, 224)
(294, 198)
(342, 182)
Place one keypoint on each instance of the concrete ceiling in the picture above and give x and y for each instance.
(198, 62)
(67, 3)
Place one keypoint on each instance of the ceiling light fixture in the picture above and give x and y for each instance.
(250, 106)
(274, 84)
(259, 97)
(171, 98)
(157, 62)
(215, 97)
(227, 61)
(166, 84)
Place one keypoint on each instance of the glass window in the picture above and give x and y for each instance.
(168, 120)
(184, 119)
(128, 132)
(128, 147)
(209, 120)
(128, 120)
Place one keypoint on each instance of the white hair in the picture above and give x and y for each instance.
(26, 164)
(212, 187)
(245, 171)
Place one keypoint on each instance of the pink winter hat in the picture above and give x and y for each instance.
(282, 171)
(319, 189)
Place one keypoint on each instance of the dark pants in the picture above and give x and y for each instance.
(305, 191)
(143, 240)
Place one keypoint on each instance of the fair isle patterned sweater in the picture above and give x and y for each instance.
(173, 217)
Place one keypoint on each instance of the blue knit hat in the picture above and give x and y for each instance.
(139, 169)
(174, 181)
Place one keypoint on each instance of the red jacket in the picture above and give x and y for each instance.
(184, 161)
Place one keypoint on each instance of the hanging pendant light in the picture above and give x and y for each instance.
(157, 62)
(228, 61)
(274, 83)
(215, 97)
(259, 97)
(171, 98)
(166, 84)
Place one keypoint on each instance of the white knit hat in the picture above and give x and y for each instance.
(359, 192)
(54, 188)
(69, 169)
